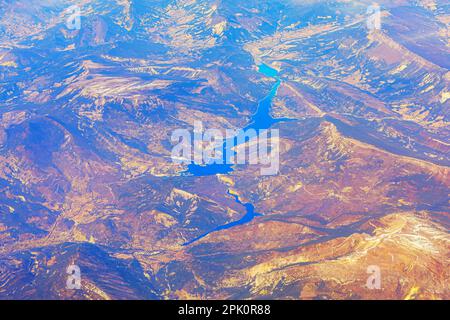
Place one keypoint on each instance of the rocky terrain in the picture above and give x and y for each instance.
(87, 178)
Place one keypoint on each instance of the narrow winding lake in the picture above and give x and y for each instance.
(248, 217)
(261, 120)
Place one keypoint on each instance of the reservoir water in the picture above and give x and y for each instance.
(248, 217)
(261, 120)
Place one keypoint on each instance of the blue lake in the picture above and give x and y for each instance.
(248, 217)
(259, 121)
